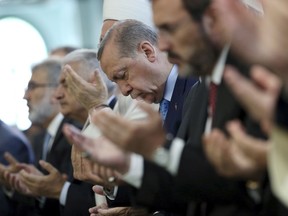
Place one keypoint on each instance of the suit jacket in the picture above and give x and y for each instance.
(196, 179)
(60, 157)
(174, 114)
(171, 125)
(14, 142)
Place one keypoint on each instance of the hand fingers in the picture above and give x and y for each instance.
(97, 79)
(98, 189)
(246, 92)
(216, 148)
(27, 167)
(11, 160)
(266, 79)
(148, 109)
(47, 166)
(72, 74)
(2, 168)
(74, 135)
(95, 209)
(254, 148)
(104, 117)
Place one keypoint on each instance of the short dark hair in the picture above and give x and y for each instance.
(127, 35)
(196, 8)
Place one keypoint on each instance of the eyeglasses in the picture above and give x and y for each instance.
(31, 85)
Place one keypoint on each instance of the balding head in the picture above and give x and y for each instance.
(87, 64)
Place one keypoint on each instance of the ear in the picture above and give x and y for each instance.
(148, 50)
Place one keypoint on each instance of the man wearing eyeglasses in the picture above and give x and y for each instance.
(50, 146)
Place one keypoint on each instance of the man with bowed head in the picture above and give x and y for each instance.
(208, 191)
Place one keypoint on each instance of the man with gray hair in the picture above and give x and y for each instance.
(55, 186)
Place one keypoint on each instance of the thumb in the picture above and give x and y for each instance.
(47, 166)
(97, 79)
(98, 189)
(11, 160)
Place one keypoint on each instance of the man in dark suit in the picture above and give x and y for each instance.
(43, 110)
(84, 64)
(56, 187)
(195, 178)
(169, 86)
(50, 145)
(15, 143)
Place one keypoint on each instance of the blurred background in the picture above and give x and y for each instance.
(29, 30)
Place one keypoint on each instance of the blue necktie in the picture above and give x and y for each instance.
(164, 106)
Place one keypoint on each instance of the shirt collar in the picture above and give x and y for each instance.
(110, 99)
(218, 70)
(54, 124)
(171, 83)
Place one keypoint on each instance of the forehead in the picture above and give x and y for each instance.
(75, 66)
(166, 11)
(39, 75)
(110, 56)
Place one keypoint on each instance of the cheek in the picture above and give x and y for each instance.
(142, 85)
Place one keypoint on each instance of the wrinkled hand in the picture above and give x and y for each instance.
(14, 178)
(83, 168)
(258, 95)
(12, 167)
(43, 185)
(273, 36)
(100, 150)
(257, 39)
(142, 136)
(103, 210)
(238, 156)
(88, 94)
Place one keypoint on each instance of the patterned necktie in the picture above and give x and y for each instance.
(163, 109)
(212, 98)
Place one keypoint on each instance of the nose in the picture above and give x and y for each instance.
(26, 94)
(125, 88)
(59, 93)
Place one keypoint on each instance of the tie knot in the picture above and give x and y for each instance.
(164, 106)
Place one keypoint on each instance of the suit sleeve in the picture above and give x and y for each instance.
(16, 147)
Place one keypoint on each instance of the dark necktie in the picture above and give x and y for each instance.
(163, 109)
(212, 98)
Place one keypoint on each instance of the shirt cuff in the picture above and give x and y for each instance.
(111, 193)
(170, 159)
(135, 172)
(64, 193)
